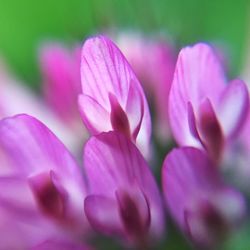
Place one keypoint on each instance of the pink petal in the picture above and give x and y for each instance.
(112, 161)
(61, 244)
(192, 122)
(21, 224)
(118, 117)
(198, 200)
(186, 173)
(50, 199)
(210, 131)
(139, 121)
(153, 61)
(15, 99)
(134, 211)
(105, 71)
(32, 148)
(102, 213)
(198, 74)
(233, 108)
(61, 73)
(13, 190)
(94, 116)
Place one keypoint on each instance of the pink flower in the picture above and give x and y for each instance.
(44, 189)
(153, 61)
(204, 208)
(15, 99)
(112, 97)
(201, 103)
(124, 199)
(61, 80)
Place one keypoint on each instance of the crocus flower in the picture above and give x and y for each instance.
(201, 204)
(123, 198)
(112, 98)
(201, 103)
(45, 188)
(153, 61)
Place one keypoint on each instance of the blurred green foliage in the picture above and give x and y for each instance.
(26, 24)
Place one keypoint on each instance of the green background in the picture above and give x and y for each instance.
(25, 24)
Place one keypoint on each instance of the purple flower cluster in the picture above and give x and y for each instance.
(49, 200)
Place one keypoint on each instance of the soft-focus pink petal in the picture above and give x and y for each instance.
(118, 117)
(197, 198)
(134, 211)
(95, 117)
(198, 74)
(153, 61)
(61, 244)
(105, 71)
(15, 99)
(33, 149)
(62, 83)
(135, 101)
(233, 109)
(50, 199)
(103, 215)
(21, 224)
(13, 190)
(210, 131)
(186, 172)
(192, 122)
(112, 161)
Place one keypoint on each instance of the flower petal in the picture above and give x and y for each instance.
(21, 224)
(62, 84)
(112, 161)
(13, 190)
(198, 74)
(134, 211)
(33, 148)
(94, 116)
(15, 99)
(153, 61)
(50, 199)
(105, 71)
(233, 108)
(102, 213)
(201, 204)
(210, 131)
(61, 244)
(183, 180)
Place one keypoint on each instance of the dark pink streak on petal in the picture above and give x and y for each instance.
(118, 117)
(210, 130)
(134, 212)
(48, 197)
